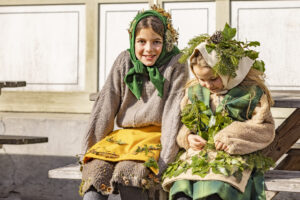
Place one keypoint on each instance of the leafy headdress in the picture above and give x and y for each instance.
(134, 77)
(229, 58)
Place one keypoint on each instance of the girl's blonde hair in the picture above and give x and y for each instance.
(195, 59)
(254, 77)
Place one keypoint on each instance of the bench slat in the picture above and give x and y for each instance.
(71, 171)
(282, 180)
(275, 180)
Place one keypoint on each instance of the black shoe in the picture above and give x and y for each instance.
(181, 196)
(214, 197)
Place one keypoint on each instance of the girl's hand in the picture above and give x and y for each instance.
(196, 142)
(221, 146)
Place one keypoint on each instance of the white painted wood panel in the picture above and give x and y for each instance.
(44, 46)
(192, 19)
(114, 38)
(276, 25)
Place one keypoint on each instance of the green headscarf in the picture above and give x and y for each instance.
(134, 77)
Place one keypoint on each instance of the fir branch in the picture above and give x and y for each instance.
(187, 51)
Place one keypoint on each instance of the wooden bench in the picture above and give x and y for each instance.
(18, 140)
(11, 84)
(275, 180)
(284, 178)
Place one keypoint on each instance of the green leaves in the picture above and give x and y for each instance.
(234, 60)
(199, 119)
(194, 117)
(151, 163)
(223, 163)
(254, 44)
(228, 33)
(148, 149)
(210, 47)
(252, 54)
(229, 51)
(191, 46)
(112, 140)
(259, 65)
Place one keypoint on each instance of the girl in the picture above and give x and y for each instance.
(144, 84)
(227, 120)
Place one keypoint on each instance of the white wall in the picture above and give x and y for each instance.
(44, 46)
(114, 38)
(276, 25)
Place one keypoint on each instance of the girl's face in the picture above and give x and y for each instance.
(207, 78)
(148, 46)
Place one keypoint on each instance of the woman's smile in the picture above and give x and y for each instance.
(148, 46)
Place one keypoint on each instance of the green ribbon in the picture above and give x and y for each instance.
(134, 77)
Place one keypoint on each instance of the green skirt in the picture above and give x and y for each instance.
(199, 190)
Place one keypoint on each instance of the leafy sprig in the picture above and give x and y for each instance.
(112, 140)
(229, 51)
(187, 51)
(223, 163)
(151, 162)
(146, 149)
(200, 120)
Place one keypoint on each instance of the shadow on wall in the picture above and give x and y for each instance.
(25, 177)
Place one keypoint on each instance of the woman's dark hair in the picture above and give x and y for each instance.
(151, 22)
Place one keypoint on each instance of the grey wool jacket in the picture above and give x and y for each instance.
(116, 102)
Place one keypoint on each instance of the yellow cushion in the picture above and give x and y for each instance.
(122, 145)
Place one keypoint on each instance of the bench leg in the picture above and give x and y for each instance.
(163, 195)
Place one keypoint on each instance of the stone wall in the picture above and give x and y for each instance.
(24, 168)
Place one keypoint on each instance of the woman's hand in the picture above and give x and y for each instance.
(196, 142)
(221, 146)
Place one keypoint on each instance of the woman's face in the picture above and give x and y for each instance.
(148, 46)
(207, 78)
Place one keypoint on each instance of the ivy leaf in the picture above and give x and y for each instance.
(234, 60)
(151, 163)
(228, 33)
(259, 65)
(212, 121)
(253, 44)
(252, 54)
